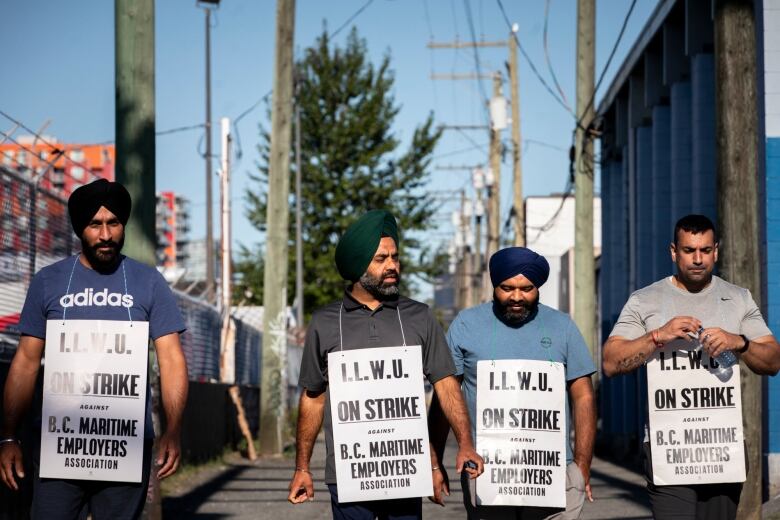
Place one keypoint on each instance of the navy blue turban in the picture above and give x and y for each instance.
(510, 262)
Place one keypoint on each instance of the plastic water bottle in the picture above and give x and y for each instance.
(726, 360)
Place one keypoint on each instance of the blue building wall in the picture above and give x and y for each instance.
(668, 170)
(773, 280)
(662, 191)
(681, 148)
(703, 138)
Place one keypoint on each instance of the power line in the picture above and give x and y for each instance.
(355, 15)
(264, 98)
(609, 60)
(547, 56)
(180, 129)
(531, 63)
(478, 64)
(56, 154)
(40, 138)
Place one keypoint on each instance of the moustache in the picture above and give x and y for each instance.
(110, 243)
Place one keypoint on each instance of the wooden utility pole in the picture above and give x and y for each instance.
(298, 221)
(135, 161)
(584, 262)
(517, 143)
(273, 394)
(135, 122)
(494, 211)
(736, 130)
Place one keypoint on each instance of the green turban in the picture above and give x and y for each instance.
(357, 246)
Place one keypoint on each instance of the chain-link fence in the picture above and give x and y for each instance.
(35, 231)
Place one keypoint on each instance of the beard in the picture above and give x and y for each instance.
(515, 316)
(378, 288)
(102, 260)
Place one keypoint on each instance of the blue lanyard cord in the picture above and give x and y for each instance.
(70, 279)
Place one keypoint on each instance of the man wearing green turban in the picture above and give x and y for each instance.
(372, 314)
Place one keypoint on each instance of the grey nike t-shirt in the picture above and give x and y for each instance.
(721, 304)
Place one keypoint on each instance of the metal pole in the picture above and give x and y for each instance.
(584, 263)
(209, 208)
(273, 405)
(298, 222)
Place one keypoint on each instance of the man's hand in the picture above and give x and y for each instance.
(10, 460)
(441, 486)
(301, 487)
(716, 341)
(585, 470)
(678, 328)
(465, 455)
(169, 454)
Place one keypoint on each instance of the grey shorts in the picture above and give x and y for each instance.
(575, 498)
(696, 502)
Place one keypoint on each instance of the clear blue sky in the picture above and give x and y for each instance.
(59, 65)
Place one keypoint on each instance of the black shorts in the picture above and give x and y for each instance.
(695, 502)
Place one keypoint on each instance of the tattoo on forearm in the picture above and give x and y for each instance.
(631, 363)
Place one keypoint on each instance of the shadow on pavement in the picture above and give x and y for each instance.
(185, 506)
(633, 492)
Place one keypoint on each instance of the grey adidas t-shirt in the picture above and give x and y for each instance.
(720, 304)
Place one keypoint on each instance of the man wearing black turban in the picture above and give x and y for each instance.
(99, 286)
(372, 314)
(516, 326)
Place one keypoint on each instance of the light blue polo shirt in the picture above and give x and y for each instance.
(477, 334)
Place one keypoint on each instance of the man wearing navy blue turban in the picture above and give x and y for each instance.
(516, 326)
(371, 314)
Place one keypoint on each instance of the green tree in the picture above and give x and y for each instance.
(349, 164)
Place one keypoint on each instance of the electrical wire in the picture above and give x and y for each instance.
(478, 64)
(531, 63)
(355, 15)
(547, 56)
(609, 61)
(40, 138)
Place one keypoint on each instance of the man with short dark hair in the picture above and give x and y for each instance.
(516, 326)
(95, 288)
(677, 313)
(372, 314)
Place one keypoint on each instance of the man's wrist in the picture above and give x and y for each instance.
(744, 344)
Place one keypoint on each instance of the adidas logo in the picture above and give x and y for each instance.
(89, 298)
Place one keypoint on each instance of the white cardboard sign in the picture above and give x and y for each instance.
(380, 431)
(695, 418)
(521, 433)
(94, 400)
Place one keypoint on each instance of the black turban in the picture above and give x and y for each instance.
(85, 202)
(359, 243)
(512, 261)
